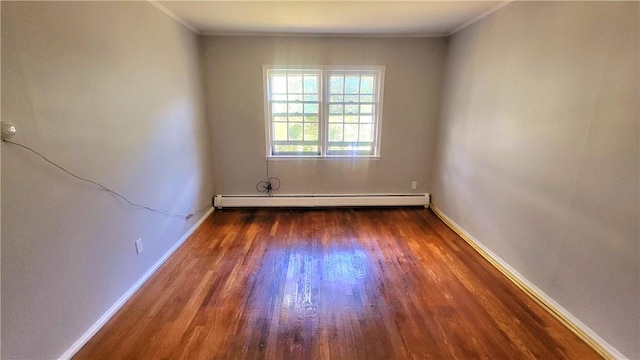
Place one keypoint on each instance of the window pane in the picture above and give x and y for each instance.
(311, 132)
(279, 84)
(351, 84)
(366, 98)
(366, 109)
(336, 98)
(336, 118)
(297, 97)
(295, 131)
(366, 119)
(311, 84)
(351, 119)
(350, 149)
(280, 131)
(279, 108)
(311, 118)
(351, 109)
(366, 85)
(336, 83)
(335, 132)
(279, 118)
(296, 149)
(311, 98)
(366, 132)
(311, 108)
(351, 132)
(351, 98)
(295, 108)
(280, 97)
(336, 109)
(294, 84)
(295, 118)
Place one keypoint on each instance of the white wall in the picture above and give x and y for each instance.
(111, 91)
(234, 91)
(538, 153)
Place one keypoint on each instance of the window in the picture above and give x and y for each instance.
(323, 111)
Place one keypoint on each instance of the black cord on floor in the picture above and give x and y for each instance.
(270, 185)
(102, 187)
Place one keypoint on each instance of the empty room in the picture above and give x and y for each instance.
(320, 180)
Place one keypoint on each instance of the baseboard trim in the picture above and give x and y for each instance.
(322, 200)
(598, 344)
(132, 290)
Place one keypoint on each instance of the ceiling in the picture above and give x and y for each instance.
(381, 18)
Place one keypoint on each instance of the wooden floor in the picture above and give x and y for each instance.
(336, 283)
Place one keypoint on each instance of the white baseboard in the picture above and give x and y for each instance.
(222, 201)
(565, 317)
(127, 295)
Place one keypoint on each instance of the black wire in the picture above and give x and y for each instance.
(270, 185)
(162, 211)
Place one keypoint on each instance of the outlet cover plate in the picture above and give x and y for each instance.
(139, 247)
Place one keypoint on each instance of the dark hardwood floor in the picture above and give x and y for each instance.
(330, 284)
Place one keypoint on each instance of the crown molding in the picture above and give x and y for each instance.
(174, 16)
(481, 16)
(324, 35)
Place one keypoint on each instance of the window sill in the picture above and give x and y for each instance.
(316, 158)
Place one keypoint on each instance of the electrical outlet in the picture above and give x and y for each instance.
(139, 247)
(414, 185)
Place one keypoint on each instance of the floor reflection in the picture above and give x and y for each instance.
(324, 278)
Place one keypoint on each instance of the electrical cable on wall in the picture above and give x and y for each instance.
(102, 187)
(270, 185)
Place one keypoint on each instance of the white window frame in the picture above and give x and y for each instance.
(323, 116)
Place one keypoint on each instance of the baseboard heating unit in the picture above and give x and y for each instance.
(222, 201)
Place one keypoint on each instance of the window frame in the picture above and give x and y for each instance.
(325, 72)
